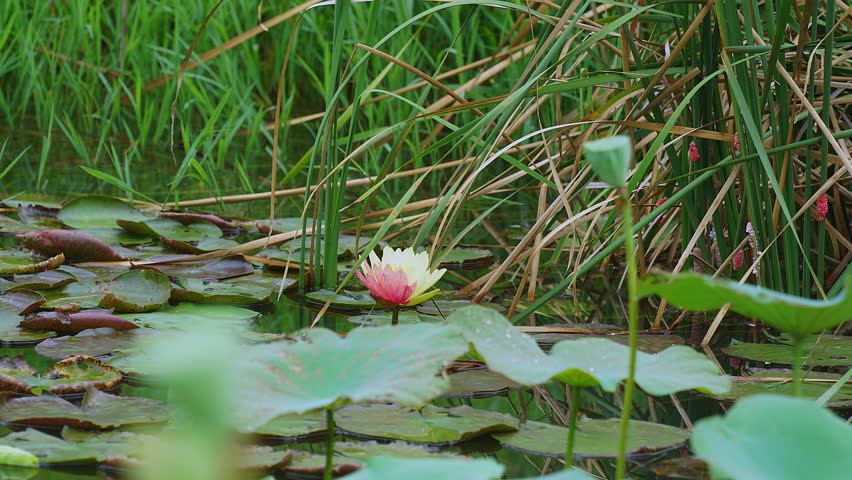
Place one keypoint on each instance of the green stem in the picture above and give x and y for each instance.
(395, 315)
(633, 322)
(329, 445)
(797, 367)
(572, 426)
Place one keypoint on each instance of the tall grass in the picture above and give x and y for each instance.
(509, 90)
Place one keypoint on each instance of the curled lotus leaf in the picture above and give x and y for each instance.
(262, 458)
(16, 262)
(74, 244)
(76, 322)
(172, 229)
(98, 410)
(187, 218)
(137, 291)
(13, 305)
(70, 376)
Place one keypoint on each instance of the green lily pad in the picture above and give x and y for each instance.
(96, 211)
(324, 370)
(647, 343)
(346, 248)
(478, 383)
(17, 262)
(346, 300)
(190, 316)
(594, 438)
(293, 426)
(796, 316)
(460, 258)
(818, 350)
(751, 443)
(10, 225)
(72, 375)
(584, 363)
(431, 424)
(443, 308)
(44, 280)
(261, 458)
(307, 464)
(756, 384)
(81, 294)
(12, 305)
(208, 244)
(172, 229)
(383, 318)
(98, 410)
(118, 236)
(96, 448)
(137, 291)
(391, 468)
(94, 342)
(201, 291)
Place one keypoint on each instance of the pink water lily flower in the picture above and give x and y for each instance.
(400, 277)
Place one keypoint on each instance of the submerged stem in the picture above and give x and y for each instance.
(633, 323)
(797, 367)
(395, 315)
(329, 445)
(572, 426)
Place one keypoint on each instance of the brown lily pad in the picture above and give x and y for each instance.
(95, 342)
(47, 280)
(98, 410)
(69, 376)
(76, 322)
(74, 244)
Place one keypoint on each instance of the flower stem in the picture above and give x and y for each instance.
(329, 444)
(395, 315)
(797, 367)
(633, 323)
(572, 426)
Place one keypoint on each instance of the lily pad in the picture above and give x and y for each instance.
(782, 384)
(12, 305)
(347, 246)
(94, 342)
(324, 370)
(47, 280)
(648, 343)
(10, 225)
(443, 308)
(281, 225)
(201, 291)
(431, 424)
(96, 211)
(293, 426)
(172, 229)
(478, 383)
(261, 458)
(383, 318)
(796, 316)
(466, 258)
(72, 375)
(17, 262)
(98, 410)
(77, 295)
(76, 322)
(74, 244)
(187, 218)
(118, 236)
(96, 448)
(584, 363)
(205, 244)
(818, 350)
(137, 291)
(347, 300)
(391, 468)
(594, 438)
(190, 316)
(751, 443)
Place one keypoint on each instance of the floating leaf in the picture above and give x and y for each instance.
(17, 457)
(648, 343)
(98, 410)
(201, 291)
(74, 244)
(12, 305)
(794, 315)
(261, 458)
(188, 218)
(118, 236)
(95, 342)
(206, 244)
(78, 295)
(97, 448)
(817, 350)
(324, 370)
(466, 258)
(137, 291)
(346, 300)
(190, 316)
(17, 262)
(391, 468)
(383, 318)
(220, 269)
(594, 438)
(478, 383)
(294, 426)
(76, 322)
(443, 308)
(281, 225)
(72, 375)
(585, 362)
(429, 425)
(172, 229)
(96, 211)
(19, 302)
(779, 382)
(9, 225)
(774, 437)
(44, 280)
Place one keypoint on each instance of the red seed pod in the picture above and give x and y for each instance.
(822, 207)
(693, 152)
(737, 261)
(736, 142)
(660, 202)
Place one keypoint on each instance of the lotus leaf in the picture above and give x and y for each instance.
(391, 468)
(137, 291)
(12, 305)
(775, 437)
(594, 438)
(201, 291)
(98, 410)
(324, 370)
(72, 375)
(478, 383)
(819, 350)
(94, 342)
(97, 448)
(796, 316)
(189, 316)
(779, 381)
(171, 229)
(347, 300)
(96, 211)
(429, 425)
(44, 280)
